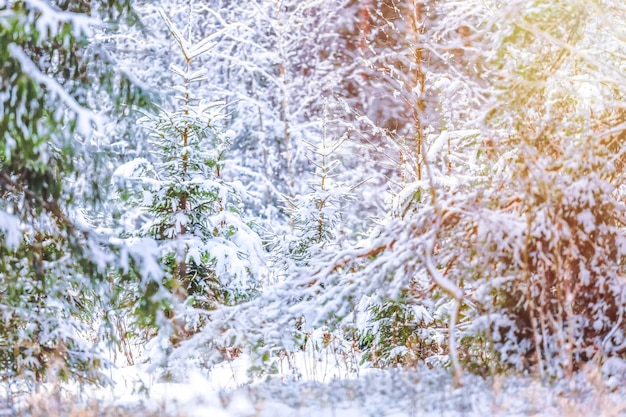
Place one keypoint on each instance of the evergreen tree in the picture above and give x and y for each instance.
(212, 256)
(54, 264)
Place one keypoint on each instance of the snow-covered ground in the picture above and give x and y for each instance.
(389, 393)
(327, 388)
(228, 392)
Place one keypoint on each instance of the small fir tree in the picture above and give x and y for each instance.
(211, 255)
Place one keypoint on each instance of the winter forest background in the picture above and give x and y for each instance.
(412, 193)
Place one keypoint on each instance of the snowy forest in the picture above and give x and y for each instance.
(312, 208)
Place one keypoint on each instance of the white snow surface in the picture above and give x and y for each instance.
(228, 391)
(10, 229)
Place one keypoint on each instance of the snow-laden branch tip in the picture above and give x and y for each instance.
(189, 50)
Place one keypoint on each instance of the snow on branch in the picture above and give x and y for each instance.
(189, 50)
(84, 117)
(10, 228)
(52, 19)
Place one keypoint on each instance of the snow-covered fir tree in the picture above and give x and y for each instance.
(57, 93)
(211, 255)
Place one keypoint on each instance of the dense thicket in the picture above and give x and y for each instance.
(397, 182)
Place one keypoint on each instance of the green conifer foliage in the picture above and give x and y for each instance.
(211, 255)
(53, 264)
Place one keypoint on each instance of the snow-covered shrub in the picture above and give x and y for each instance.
(401, 333)
(555, 292)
